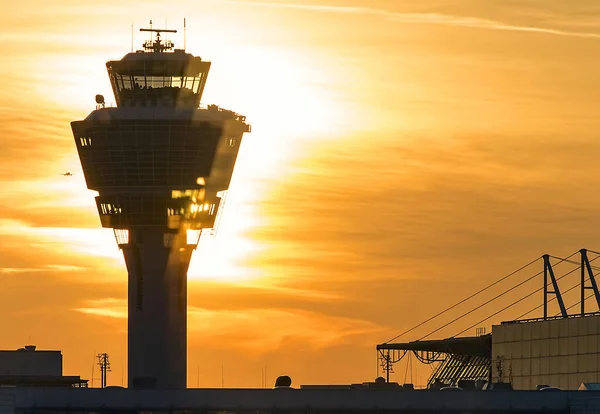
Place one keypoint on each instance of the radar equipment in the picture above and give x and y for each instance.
(158, 45)
(100, 102)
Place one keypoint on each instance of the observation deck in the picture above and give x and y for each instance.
(158, 158)
(158, 76)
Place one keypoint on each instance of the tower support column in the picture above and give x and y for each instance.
(157, 264)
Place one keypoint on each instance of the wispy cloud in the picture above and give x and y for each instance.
(307, 294)
(90, 241)
(422, 18)
(48, 268)
(258, 329)
(108, 307)
(108, 312)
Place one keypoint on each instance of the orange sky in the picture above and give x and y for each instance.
(403, 155)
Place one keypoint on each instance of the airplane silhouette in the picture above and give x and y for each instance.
(67, 174)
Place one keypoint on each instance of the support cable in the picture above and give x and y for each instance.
(550, 300)
(554, 298)
(464, 300)
(574, 262)
(493, 299)
(572, 306)
(512, 304)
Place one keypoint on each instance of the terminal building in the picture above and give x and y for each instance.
(561, 351)
(30, 367)
(558, 352)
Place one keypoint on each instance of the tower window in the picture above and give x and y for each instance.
(85, 141)
(110, 208)
(175, 211)
(122, 236)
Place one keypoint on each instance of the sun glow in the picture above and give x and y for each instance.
(288, 100)
(287, 105)
(222, 251)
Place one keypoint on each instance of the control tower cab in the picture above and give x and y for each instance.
(158, 78)
(161, 165)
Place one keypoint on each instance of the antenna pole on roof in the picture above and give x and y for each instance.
(131, 37)
(184, 35)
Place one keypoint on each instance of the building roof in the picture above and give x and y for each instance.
(142, 64)
(41, 381)
(162, 113)
(472, 346)
(287, 400)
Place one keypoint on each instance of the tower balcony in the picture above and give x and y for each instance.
(170, 154)
(172, 214)
(159, 172)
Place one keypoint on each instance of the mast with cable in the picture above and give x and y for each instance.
(474, 353)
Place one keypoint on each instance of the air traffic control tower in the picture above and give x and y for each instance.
(161, 165)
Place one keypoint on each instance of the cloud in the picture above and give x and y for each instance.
(97, 242)
(259, 329)
(271, 287)
(47, 268)
(111, 313)
(423, 18)
(253, 329)
(107, 307)
(304, 293)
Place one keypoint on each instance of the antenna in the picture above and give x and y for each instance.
(184, 35)
(157, 46)
(387, 364)
(264, 377)
(93, 365)
(131, 37)
(104, 365)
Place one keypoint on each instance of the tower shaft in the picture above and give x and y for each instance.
(157, 264)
